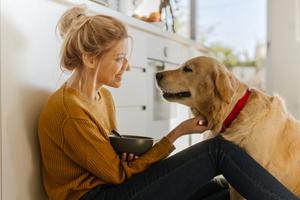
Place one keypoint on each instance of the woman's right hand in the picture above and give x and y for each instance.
(193, 125)
(128, 157)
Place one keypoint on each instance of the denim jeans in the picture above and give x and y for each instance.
(187, 175)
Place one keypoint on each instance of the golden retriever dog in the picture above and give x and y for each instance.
(263, 128)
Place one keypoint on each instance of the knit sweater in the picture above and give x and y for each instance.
(75, 148)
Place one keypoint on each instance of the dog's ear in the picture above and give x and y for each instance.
(224, 85)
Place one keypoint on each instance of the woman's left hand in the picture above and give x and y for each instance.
(129, 157)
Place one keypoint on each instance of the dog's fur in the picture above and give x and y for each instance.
(263, 128)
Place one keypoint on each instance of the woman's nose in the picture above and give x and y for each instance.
(126, 65)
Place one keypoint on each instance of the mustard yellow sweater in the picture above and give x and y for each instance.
(75, 148)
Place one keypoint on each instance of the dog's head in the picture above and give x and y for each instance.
(202, 83)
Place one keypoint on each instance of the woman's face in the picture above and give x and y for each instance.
(113, 64)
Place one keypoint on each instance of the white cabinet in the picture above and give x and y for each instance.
(133, 89)
(131, 97)
(137, 47)
(160, 112)
(157, 48)
(176, 52)
(132, 120)
(166, 50)
(140, 107)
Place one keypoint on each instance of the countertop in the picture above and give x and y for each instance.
(132, 22)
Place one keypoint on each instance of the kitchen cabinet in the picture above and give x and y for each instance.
(140, 106)
(137, 47)
(133, 89)
(166, 50)
(132, 120)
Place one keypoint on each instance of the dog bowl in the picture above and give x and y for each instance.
(137, 145)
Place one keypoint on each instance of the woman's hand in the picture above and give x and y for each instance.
(193, 125)
(129, 157)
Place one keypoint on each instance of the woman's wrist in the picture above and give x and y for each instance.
(173, 135)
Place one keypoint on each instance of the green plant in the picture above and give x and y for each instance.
(232, 59)
(228, 55)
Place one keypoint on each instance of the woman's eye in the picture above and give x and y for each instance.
(187, 69)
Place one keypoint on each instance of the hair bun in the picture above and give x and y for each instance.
(67, 19)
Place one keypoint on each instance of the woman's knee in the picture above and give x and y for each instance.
(220, 147)
(218, 143)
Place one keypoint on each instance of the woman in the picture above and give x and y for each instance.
(78, 160)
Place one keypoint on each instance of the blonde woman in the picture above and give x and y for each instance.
(78, 161)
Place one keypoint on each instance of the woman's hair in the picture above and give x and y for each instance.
(91, 35)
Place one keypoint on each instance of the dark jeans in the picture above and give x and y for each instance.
(187, 175)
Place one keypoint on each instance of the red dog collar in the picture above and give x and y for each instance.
(236, 110)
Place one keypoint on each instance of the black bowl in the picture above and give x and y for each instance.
(137, 145)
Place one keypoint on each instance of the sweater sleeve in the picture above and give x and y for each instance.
(88, 147)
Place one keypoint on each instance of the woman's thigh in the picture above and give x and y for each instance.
(177, 177)
(182, 174)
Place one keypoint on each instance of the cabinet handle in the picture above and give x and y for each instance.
(166, 52)
(101, 2)
(133, 107)
(143, 69)
(160, 67)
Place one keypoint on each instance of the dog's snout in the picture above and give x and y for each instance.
(159, 76)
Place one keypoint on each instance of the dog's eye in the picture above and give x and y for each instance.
(187, 69)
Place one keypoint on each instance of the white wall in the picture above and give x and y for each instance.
(283, 57)
(29, 72)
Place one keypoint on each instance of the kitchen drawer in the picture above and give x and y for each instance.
(137, 47)
(133, 88)
(166, 50)
(157, 48)
(132, 120)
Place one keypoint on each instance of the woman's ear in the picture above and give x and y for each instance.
(89, 61)
(224, 85)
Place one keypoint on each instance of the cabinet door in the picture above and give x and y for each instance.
(157, 48)
(133, 89)
(137, 48)
(166, 50)
(132, 120)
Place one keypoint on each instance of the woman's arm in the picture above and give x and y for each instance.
(89, 148)
(193, 125)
